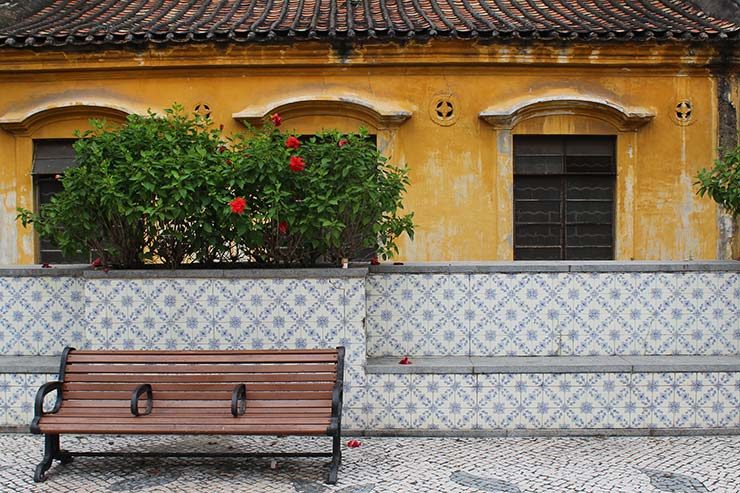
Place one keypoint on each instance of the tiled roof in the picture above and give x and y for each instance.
(116, 22)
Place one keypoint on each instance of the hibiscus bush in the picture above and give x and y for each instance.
(172, 189)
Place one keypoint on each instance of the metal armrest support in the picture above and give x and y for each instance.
(239, 400)
(337, 395)
(145, 387)
(38, 408)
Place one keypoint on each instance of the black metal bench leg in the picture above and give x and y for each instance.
(51, 452)
(336, 460)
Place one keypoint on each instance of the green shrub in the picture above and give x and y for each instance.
(722, 182)
(150, 189)
(170, 189)
(343, 201)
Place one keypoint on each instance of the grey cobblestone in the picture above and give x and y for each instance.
(393, 465)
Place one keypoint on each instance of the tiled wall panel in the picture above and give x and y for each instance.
(553, 314)
(546, 401)
(40, 315)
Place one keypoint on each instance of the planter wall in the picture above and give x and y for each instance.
(484, 327)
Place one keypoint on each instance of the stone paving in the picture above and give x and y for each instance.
(397, 465)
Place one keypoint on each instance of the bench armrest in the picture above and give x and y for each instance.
(145, 387)
(239, 400)
(38, 407)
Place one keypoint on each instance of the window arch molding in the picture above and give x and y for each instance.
(623, 119)
(378, 115)
(28, 121)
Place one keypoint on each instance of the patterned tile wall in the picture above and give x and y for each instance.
(545, 401)
(553, 314)
(40, 315)
(17, 396)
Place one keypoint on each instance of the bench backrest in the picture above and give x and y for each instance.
(300, 381)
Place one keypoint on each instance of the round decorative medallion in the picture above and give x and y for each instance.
(444, 109)
(202, 110)
(683, 113)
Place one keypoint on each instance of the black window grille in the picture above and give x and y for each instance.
(50, 159)
(564, 197)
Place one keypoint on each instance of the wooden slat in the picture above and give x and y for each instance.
(203, 429)
(206, 368)
(139, 378)
(192, 420)
(200, 386)
(196, 395)
(200, 404)
(75, 358)
(174, 412)
(206, 351)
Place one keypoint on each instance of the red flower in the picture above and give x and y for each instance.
(276, 120)
(228, 161)
(374, 260)
(343, 142)
(221, 149)
(292, 143)
(46, 266)
(283, 228)
(238, 205)
(297, 164)
(221, 127)
(97, 262)
(405, 361)
(354, 443)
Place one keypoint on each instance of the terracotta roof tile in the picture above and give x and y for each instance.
(113, 22)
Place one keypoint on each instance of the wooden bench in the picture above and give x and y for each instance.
(288, 392)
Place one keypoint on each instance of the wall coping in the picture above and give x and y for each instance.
(556, 266)
(89, 273)
(29, 364)
(361, 270)
(554, 364)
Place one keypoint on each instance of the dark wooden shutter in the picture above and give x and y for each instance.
(564, 197)
(52, 158)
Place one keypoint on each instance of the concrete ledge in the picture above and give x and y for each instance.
(554, 364)
(312, 273)
(38, 271)
(29, 364)
(556, 266)
(546, 432)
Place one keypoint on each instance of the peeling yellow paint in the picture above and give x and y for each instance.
(461, 174)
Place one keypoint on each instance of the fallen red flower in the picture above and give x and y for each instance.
(374, 261)
(45, 266)
(405, 361)
(354, 443)
(97, 262)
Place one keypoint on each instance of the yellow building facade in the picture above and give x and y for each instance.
(448, 109)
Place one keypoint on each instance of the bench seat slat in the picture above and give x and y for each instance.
(199, 429)
(197, 395)
(204, 368)
(207, 378)
(202, 404)
(193, 420)
(173, 412)
(203, 386)
(75, 358)
(203, 351)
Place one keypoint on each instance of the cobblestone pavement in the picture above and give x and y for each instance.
(397, 465)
